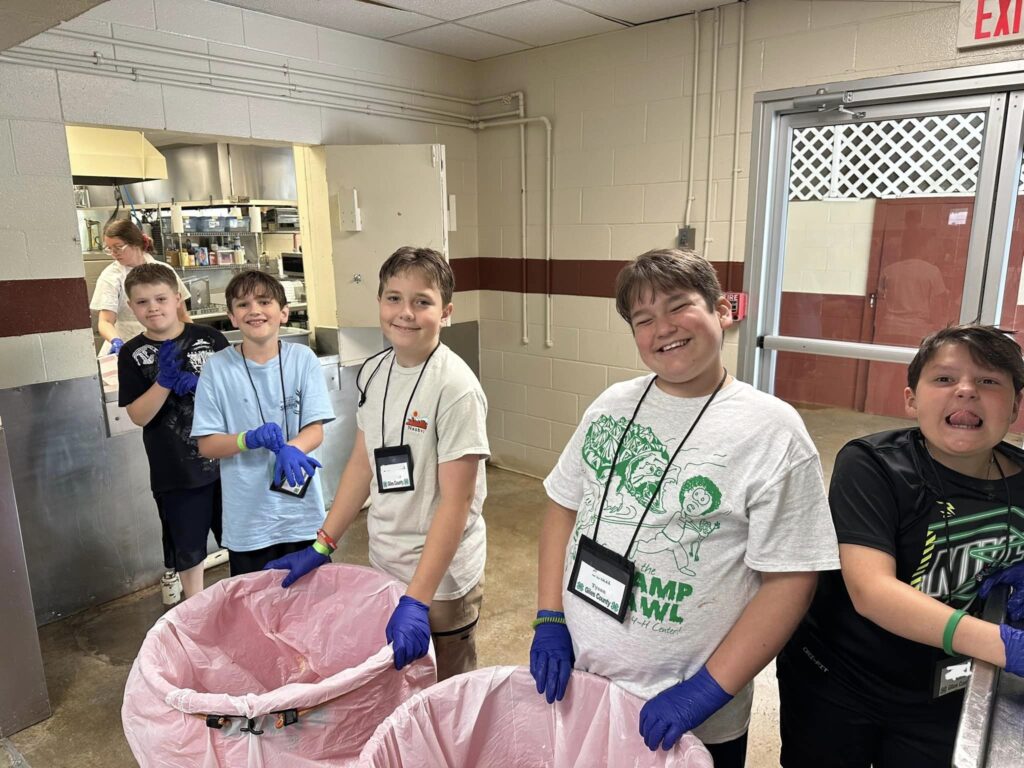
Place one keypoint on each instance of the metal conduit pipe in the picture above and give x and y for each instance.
(548, 342)
(736, 128)
(99, 61)
(711, 131)
(693, 117)
(283, 69)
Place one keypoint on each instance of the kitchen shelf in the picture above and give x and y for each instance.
(214, 266)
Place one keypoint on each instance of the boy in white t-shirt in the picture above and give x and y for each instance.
(686, 524)
(419, 454)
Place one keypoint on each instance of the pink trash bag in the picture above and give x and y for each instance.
(494, 718)
(249, 674)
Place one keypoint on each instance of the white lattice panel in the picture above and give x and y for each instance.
(911, 157)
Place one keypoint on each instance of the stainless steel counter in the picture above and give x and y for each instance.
(991, 730)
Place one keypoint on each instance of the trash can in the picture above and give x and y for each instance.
(494, 718)
(249, 674)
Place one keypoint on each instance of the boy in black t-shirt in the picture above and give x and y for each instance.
(874, 675)
(157, 375)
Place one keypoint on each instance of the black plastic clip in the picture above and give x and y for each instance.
(216, 721)
(250, 727)
(286, 717)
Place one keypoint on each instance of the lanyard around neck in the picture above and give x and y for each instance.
(664, 474)
(280, 368)
(387, 386)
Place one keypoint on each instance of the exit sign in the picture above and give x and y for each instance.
(989, 22)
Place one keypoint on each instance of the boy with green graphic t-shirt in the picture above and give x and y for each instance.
(686, 524)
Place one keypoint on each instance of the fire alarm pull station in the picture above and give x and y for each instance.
(738, 302)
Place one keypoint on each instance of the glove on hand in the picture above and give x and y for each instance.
(185, 383)
(1014, 576)
(1013, 643)
(681, 708)
(408, 631)
(551, 656)
(168, 363)
(298, 564)
(292, 463)
(115, 346)
(268, 436)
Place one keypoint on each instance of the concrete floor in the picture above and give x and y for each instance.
(87, 657)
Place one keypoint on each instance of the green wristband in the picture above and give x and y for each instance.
(323, 549)
(547, 620)
(947, 635)
(240, 442)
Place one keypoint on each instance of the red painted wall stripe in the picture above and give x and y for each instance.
(43, 306)
(570, 277)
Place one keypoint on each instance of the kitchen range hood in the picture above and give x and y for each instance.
(107, 156)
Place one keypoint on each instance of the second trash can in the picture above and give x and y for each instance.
(494, 718)
(248, 674)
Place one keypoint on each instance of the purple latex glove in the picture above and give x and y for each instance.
(185, 383)
(268, 436)
(681, 708)
(1014, 576)
(115, 346)
(1013, 643)
(298, 564)
(293, 465)
(551, 656)
(408, 631)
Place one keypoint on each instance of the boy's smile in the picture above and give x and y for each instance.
(411, 314)
(964, 409)
(259, 318)
(680, 339)
(156, 306)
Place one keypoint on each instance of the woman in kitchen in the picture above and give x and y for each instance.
(126, 243)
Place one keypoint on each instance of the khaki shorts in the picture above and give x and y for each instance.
(453, 627)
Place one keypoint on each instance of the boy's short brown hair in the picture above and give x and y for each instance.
(252, 282)
(431, 264)
(988, 346)
(665, 270)
(150, 273)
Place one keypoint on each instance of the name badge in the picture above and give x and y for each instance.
(951, 674)
(295, 491)
(394, 468)
(602, 578)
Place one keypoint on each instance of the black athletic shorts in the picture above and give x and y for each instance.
(825, 724)
(187, 517)
(254, 560)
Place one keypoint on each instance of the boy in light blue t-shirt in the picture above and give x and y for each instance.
(260, 408)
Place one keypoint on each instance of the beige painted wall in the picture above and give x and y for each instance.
(621, 104)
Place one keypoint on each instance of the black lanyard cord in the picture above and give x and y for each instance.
(664, 474)
(408, 405)
(362, 391)
(284, 397)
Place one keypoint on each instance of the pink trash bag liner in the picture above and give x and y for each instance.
(494, 718)
(245, 648)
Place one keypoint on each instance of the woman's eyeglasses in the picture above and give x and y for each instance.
(114, 250)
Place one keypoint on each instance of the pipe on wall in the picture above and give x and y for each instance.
(736, 170)
(693, 117)
(711, 129)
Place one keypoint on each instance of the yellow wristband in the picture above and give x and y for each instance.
(240, 442)
(322, 548)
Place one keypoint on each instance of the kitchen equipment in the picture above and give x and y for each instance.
(283, 219)
(199, 287)
(291, 263)
(94, 233)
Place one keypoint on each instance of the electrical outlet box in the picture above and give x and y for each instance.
(686, 238)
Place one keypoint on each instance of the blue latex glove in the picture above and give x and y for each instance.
(292, 465)
(681, 708)
(1013, 643)
(168, 365)
(1014, 576)
(551, 657)
(298, 564)
(268, 436)
(185, 383)
(408, 631)
(115, 346)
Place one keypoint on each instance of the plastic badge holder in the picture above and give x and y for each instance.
(248, 674)
(494, 718)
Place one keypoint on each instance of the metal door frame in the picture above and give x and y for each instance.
(991, 88)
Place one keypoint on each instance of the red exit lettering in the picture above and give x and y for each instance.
(1004, 25)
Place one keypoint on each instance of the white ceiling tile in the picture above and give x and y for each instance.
(346, 15)
(639, 11)
(460, 41)
(541, 22)
(450, 10)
